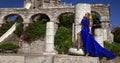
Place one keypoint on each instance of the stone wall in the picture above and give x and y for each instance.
(37, 47)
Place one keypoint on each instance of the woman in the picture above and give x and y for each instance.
(91, 46)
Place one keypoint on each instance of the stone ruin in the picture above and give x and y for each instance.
(54, 9)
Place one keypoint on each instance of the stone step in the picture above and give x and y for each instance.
(34, 58)
(75, 59)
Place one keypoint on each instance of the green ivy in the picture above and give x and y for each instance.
(116, 32)
(8, 46)
(36, 30)
(63, 40)
(67, 20)
(5, 27)
(63, 37)
(19, 29)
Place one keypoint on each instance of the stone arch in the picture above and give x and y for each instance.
(62, 14)
(96, 19)
(63, 27)
(16, 17)
(37, 16)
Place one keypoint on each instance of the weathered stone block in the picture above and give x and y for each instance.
(75, 59)
(12, 59)
(39, 59)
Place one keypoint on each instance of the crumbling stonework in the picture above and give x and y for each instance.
(54, 9)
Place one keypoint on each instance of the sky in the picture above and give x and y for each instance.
(114, 7)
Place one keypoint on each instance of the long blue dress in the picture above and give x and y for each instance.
(91, 46)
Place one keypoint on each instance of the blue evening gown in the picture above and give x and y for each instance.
(91, 46)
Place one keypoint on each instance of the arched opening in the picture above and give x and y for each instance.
(43, 18)
(11, 31)
(37, 28)
(96, 21)
(63, 37)
(9, 21)
(13, 18)
(66, 19)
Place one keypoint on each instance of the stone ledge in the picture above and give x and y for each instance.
(12, 59)
(75, 59)
(46, 59)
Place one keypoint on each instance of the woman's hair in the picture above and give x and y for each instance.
(89, 17)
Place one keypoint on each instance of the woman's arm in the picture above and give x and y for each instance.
(90, 22)
(90, 25)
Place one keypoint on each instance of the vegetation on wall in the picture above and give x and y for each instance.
(67, 20)
(36, 30)
(63, 40)
(8, 25)
(63, 37)
(116, 32)
(9, 46)
(19, 30)
(5, 27)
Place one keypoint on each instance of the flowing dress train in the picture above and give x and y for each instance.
(91, 46)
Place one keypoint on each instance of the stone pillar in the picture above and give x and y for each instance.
(105, 33)
(50, 32)
(25, 26)
(1, 22)
(26, 22)
(80, 11)
(100, 36)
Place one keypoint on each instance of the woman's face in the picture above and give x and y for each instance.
(87, 15)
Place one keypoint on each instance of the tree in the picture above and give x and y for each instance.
(116, 32)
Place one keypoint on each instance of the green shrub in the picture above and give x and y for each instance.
(19, 30)
(5, 27)
(63, 40)
(113, 47)
(67, 20)
(36, 30)
(8, 46)
(116, 32)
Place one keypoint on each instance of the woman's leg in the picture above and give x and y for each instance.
(78, 40)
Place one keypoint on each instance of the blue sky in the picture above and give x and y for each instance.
(115, 6)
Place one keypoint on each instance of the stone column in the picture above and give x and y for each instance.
(50, 32)
(100, 36)
(1, 22)
(25, 26)
(26, 22)
(80, 11)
